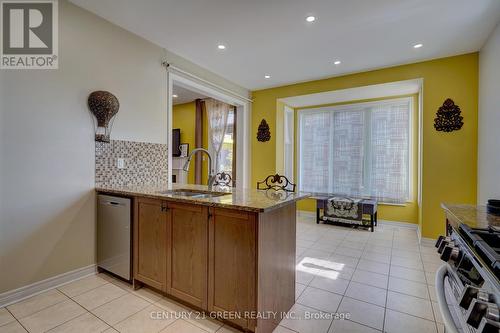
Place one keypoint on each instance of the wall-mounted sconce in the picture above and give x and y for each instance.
(104, 106)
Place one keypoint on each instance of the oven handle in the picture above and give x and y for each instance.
(441, 274)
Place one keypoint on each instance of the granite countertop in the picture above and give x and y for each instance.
(471, 215)
(245, 199)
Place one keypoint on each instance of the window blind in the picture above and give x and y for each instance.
(357, 149)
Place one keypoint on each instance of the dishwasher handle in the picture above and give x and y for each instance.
(113, 201)
(448, 321)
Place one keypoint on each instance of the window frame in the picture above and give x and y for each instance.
(355, 106)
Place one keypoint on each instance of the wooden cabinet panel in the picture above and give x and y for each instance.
(150, 242)
(232, 263)
(187, 259)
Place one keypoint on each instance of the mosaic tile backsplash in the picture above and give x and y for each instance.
(145, 163)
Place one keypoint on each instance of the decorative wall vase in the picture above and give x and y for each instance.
(448, 117)
(104, 106)
(263, 133)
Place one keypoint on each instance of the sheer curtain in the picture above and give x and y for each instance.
(217, 114)
(357, 149)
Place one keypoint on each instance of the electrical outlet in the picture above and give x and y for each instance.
(120, 163)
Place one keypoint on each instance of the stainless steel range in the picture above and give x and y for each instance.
(468, 284)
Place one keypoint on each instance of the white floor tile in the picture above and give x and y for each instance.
(299, 288)
(344, 260)
(279, 329)
(36, 303)
(320, 299)
(337, 286)
(99, 296)
(300, 323)
(370, 278)
(408, 287)
(13, 327)
(120, 308)
(145, 321)
(346, 251)
(397, 322)
(347, 326)
(52, 316)
(408, 274)
(413, 263)
(182, 326)
(373, 266)
(363, 313)
(5, 317)
(437, 313)
(366, 293)
(415, 306)
(83, 285)
(378, 257)
(86, 323)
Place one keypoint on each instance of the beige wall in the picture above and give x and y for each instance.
(489, 119)
(47, 202)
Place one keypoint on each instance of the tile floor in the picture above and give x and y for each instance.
(383, 281)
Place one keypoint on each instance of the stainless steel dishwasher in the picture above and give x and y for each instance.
(114, 235)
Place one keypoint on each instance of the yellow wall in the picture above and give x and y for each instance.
(184, 117)
(449, 159)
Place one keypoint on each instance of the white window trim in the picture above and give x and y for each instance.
(353, 106)
(289, 112)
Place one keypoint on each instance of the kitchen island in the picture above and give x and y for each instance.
(227, 252)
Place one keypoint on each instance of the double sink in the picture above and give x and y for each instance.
(197, 194)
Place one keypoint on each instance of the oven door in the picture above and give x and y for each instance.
(448, 291)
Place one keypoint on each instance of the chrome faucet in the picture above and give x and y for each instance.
(211, 176)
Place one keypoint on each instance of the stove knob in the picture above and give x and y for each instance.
(450, 254)
(479, 310)
(488, 326)
(440, 240)
(444, 244)
(468, 294)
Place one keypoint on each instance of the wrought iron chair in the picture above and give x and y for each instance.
(223, 179)
(276, 182)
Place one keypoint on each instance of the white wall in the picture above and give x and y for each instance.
(47, 201)
(489, 119)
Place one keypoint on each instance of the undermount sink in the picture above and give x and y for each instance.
(194, 193)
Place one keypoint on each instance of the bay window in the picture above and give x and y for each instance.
(361, 149)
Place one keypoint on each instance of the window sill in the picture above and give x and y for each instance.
(395, 204)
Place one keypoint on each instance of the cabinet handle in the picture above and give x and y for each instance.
(164, 208)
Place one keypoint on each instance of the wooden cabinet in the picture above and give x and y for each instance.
(232, 263)
(150, 242)
(187, 258)
(228, 261)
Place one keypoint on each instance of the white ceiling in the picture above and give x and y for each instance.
(272, 36)
(185, 95)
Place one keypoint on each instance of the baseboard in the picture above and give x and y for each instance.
(16, 295)
(306, 213)
(400, 224)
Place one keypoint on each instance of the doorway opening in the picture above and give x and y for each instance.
(202, 115)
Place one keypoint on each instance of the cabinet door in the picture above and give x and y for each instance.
(187, 257)
(150, 242)
(232, 263)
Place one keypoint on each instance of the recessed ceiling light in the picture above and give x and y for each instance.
(311, 18)
(221, 47)
(267, 76)
(336, 62)
(417, 46)
(174, 96)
